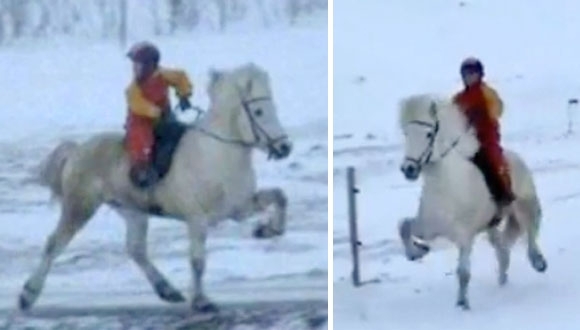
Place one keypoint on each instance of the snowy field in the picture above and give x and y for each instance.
(530, 51)
(51, 92)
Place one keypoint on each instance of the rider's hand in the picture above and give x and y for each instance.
(184, 103)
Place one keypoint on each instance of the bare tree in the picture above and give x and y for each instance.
(108, 19)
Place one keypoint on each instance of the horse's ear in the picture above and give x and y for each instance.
(433, 110)
(249, 86)
(214, 76)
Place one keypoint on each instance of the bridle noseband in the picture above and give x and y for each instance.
(257, 128)
(426, 155)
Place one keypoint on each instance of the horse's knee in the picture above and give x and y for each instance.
(280, 198)
(136, 252)
(198, 265)
(271, 196)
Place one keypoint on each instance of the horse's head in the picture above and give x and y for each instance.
(415, 248)
(246, 93)
(420, 123)
(433, 127)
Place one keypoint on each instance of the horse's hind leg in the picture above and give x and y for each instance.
(260, 202)
(136, 244)
(74, 215)
(502, 253)
(529, 218)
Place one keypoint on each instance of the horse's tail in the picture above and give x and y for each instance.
(531, 210)
(512, 230)
(537, 211)
(49, 171)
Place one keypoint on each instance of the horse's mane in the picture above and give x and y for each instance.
(416, 107)
(245, 73)
(453, 124)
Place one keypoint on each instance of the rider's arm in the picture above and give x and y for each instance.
(179, 80)
(494, 102)
(139, 105)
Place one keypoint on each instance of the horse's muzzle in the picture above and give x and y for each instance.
(411, 171)
(280, 150)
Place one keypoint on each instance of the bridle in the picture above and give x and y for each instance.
(426, 156)
(254, 126)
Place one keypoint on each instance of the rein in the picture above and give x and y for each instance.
(254, 125)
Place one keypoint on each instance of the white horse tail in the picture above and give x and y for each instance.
(537, 211)
(512, 230)
(49, 172)
(531, 211)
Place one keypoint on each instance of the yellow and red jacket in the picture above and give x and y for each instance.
(150, 98)
(488, 99)
(483, 107)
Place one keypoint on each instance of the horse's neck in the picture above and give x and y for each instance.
(217, 123)
(220, 138)
(450, 168)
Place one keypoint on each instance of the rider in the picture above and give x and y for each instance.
(148, 106)
(483, 108)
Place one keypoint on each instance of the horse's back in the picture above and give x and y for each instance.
(522, 179)
(96, 157)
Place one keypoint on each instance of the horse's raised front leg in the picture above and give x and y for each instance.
(275, 202)
(197, 230)
(136, 245)
(502, 253)
(464, 274)
(74, 215)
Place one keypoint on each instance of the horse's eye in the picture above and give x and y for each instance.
(429, 135)
(259, 112)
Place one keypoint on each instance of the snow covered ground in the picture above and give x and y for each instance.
(52, 92)
(530, 51)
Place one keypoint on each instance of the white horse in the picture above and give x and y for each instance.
(455, 201)
(211, 178)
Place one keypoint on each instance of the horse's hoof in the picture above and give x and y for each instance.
(203, 305)
(263, 231)
(503, 279)
(539, 264)
(463, 304)
(174, 297)
(24, 303)
(27, 297)
(167, 293)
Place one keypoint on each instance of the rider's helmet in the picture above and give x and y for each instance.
(472, 65)
(146, 54)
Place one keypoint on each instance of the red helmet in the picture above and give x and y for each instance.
(145, 52)
(472, 64)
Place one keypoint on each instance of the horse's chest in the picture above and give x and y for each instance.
(455, 200)
(441, 200)
(228, 196)
(238, 195)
